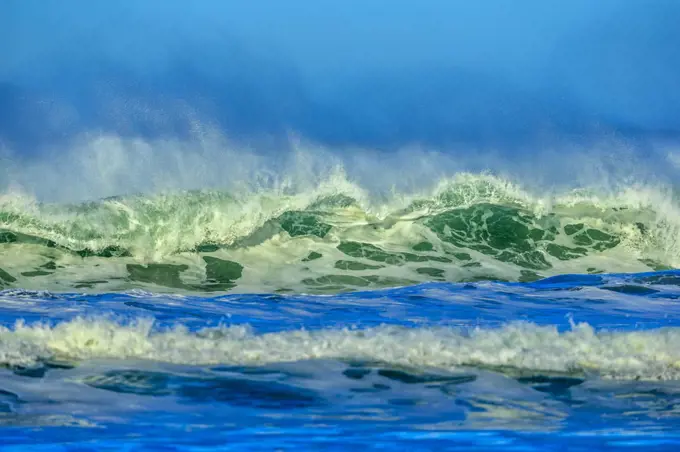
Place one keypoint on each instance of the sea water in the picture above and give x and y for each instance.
(477, 316)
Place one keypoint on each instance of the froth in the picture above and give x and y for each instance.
(647, 355)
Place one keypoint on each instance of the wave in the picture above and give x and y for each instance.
(516, 347)
(334, 238)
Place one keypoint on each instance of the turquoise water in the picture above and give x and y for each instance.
(334, 238)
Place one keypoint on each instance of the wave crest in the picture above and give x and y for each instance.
(336, 237)
(639, 355)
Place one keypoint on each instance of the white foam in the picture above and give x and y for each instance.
(647, 355)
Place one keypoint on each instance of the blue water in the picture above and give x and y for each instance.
(373, 369)
(386, 225)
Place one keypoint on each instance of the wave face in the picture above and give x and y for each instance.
(334, 238)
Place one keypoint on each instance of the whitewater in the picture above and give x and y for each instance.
(333, 238)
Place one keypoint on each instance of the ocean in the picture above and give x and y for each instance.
(475, 318)
(339, 225)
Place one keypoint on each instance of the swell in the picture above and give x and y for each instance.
(334, 238)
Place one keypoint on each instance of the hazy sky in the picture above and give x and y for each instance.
(363, 72)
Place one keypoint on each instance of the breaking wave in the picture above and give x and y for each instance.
(515, 347)
(334, 238)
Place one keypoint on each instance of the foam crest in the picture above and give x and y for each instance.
(224, 216)
(334, 236)
(193, 214)
(154, 226)
(647, 355)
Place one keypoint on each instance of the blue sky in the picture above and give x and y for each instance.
(376, 73)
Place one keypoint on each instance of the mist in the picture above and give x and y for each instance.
(474, 81)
